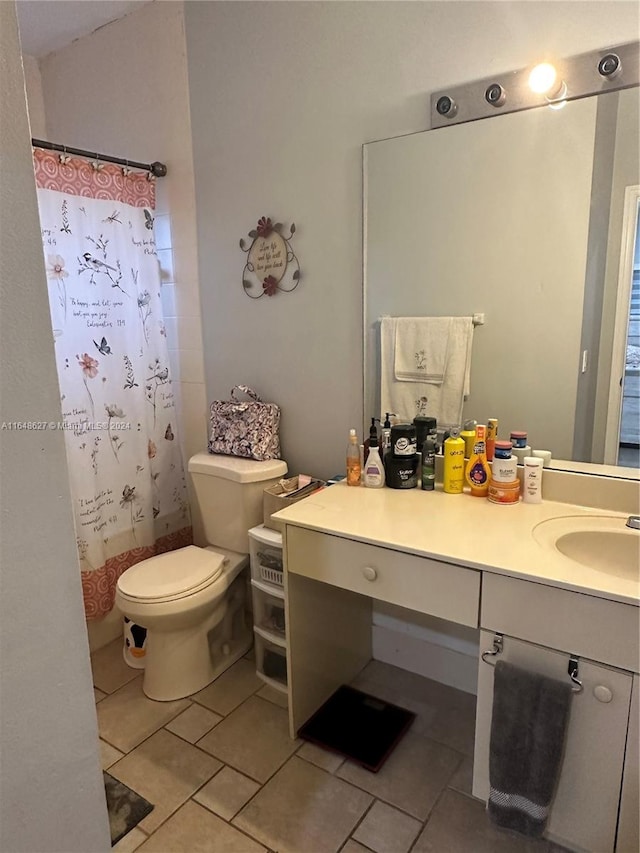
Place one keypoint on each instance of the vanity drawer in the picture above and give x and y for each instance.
(605, 631)
(418, 583)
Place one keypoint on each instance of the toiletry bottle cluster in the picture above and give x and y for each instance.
(474, 459)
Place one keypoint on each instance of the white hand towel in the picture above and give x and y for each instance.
(422, 349)
(444, 401)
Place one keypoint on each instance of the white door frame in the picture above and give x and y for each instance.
(618, 358)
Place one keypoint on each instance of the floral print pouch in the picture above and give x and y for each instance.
(248, 428)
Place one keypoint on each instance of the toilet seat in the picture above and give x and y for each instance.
(171, 576)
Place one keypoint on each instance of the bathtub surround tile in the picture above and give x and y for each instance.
(227, 793)
(193, 723)
(109, 669)
(272, 695)
(230, 689)
(109, 754)
(127, 717)
(329, 761)
(459, 824)
(166, 771)
(194, 829)
(254, 739)
(165, 258)
(386, 830)
(303, 808)
(162, 231)
(411, 778)
(191, 365)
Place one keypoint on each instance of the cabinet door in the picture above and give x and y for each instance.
(585, 808)
(628, 830)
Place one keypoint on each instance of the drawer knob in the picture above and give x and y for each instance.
(370, 573)
(602, 693)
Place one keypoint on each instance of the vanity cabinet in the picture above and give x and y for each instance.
(532, 617)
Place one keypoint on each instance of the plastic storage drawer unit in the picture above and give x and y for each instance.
(265, 549)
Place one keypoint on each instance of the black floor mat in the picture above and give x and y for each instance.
(360, 726)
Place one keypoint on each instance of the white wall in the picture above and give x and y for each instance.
(283, 95)
(123, 90)
(52, 795)
(35, 101)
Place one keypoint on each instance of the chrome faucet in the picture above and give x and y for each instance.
(633, 522)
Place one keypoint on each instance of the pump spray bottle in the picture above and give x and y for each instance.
(386, 433)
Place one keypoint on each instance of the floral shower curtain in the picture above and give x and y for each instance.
(119, 418)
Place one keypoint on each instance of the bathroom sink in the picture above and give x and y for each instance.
(601, 542)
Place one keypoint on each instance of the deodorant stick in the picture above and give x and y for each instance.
(532, 480)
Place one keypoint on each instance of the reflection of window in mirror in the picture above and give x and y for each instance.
(623, 427)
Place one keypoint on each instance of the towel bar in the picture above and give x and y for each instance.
(498, 645)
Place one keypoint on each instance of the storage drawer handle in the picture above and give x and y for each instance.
(370, 573)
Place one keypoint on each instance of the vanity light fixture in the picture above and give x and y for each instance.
(610, 69)
(610, 66)
(446, 107)
(544, 80)
(495, 95)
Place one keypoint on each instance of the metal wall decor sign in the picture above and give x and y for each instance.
(271, 262)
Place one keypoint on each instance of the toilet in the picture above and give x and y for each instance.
(192, 601)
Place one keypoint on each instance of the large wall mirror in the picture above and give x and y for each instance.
(520, 217)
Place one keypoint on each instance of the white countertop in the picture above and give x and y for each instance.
(459, 529)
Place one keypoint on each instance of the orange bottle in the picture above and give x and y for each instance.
(477, 472)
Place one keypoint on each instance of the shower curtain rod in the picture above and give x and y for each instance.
(157, 169)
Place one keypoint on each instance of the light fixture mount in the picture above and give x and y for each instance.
(607, 70)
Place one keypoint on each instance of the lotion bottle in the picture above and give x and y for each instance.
(477, 472)
(453, 475)
(373, 467)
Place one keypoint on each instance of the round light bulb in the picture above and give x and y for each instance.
(543, 78)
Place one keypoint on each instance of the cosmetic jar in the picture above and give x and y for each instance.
(403, 440)
(504, 493)
(502, 450)
(518, 439)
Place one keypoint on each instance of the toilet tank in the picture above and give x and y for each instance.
(229, 495)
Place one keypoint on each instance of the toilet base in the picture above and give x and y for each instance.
(183, 662)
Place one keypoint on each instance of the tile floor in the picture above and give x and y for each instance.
(225, 777)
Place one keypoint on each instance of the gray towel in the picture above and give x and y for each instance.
(528, 726)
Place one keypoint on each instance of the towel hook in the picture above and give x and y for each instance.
(572, 669)
(498, 642)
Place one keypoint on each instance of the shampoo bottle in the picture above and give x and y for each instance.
(429, 464)
(354, 468)
(373, 468)
(477, 472)
(453, 476)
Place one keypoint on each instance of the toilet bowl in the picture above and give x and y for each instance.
(193, 601)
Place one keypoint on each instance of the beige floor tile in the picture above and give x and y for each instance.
(459, 824)
(386, 830)
(411, 778)
(253, 739)
(127, 717)
(109, 669)
(462, 779)
(193, 723)
(166, 771)
(353, 847)
(443, 713)
(227, 793)
(131, 841)
(302, 808)
(98, 694)
(273, 695)
(329, 761)
(109, 754)
(193, 829)
(231, 688)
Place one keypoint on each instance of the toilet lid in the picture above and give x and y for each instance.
(171, 575)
